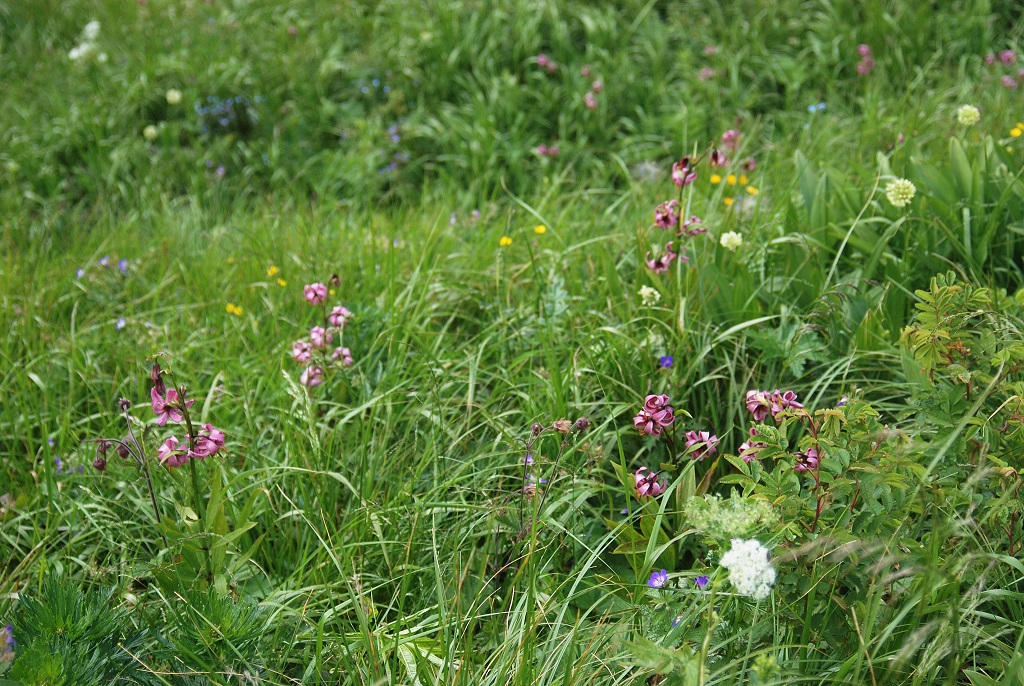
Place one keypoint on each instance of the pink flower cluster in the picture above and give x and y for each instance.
(545, 62)
(207, 443)
(168, 407)
(761, 403)
(548, 150)
(648, 484)
(730, 139)
(1006, 57)
(655, 415)
(867, 61)
(313, 352)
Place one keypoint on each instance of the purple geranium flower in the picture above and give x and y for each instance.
(658, 579)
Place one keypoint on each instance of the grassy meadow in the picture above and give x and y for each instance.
(511, 342)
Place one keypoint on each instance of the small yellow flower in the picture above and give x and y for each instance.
(752, 190)
(743, 179)
(540, 229)
(331, 291)
(281, 282)
(231, 260)
(1016, 132)
(273, 271)
(1020, 125)
(505, 241)
(727, 201)
(716, 178)
(233, 309)
(731, 179)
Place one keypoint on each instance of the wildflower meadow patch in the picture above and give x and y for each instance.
(511, 343)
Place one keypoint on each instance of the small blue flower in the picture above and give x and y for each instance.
(666, 361)
(528, 459)
(105, 261)
(842, 401)
(79, 273)
(60, 465)
(376, 83)
(122, 264)
(701, 582)
(452, 220)
(387, 89)
(395, 138)
(658, 579)
(365, 89)
(120, 323)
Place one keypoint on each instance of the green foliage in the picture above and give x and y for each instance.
(386, 526)
(67, 636)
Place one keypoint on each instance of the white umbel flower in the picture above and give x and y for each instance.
(731, 240)
(968, 115)
(91, 31)
(150, 133)
(750, 568)
(900, 192)
(173, 96)
(649, 296)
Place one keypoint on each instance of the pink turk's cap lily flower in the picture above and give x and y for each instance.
(682, 173)
(706, 444)
(730, 138)
(648, 485)
(661, 264)
(694, 226)
(170, 455)
(808, 461)
(759, 404)
(750, 448)
(718, 158)
(168, 407)
(666, 215)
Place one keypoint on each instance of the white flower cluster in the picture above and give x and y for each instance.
(750, 568)
(968, 115)
(730, 518)
(88, 49)
(900, 192)
(649, 297)
(731, 240)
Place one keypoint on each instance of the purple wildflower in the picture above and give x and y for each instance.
(658, 579)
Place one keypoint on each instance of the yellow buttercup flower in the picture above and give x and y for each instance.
(273, 271)
(752, 190)
(716, 178)
(1016, 131)
(743, 179)
(233, 309)
(731, 179)
(727, 201)
(505, 241)
(540, 229)
(331, 291)
(281, 282)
